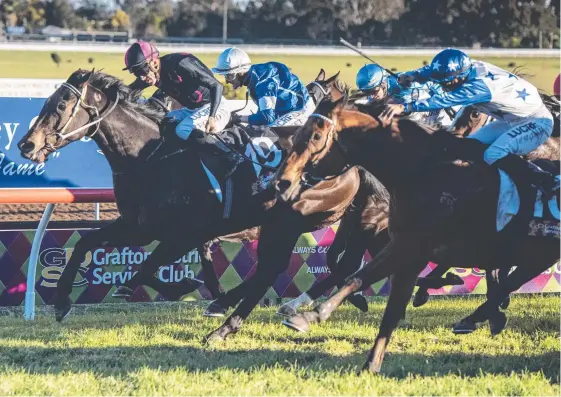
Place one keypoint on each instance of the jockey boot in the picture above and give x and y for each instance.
(525, 173)
(466, 149)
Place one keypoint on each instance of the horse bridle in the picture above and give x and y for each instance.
(61, 135)
(306, 176)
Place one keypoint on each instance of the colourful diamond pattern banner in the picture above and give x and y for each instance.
(106, 268)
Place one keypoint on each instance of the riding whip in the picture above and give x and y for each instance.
(360, 52)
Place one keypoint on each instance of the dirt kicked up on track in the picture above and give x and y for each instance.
(156, 349)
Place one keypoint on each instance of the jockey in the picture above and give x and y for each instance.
(281, 97)
(374, 82)
(522, 121)
(183, 77)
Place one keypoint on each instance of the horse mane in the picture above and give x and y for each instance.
(128, 97)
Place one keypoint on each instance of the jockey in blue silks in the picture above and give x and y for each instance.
(377, 84)
(522, 120)
(281, 97)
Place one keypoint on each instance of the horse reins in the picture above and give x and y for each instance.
(326, 146)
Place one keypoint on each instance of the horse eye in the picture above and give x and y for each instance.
(320, 123)
(317, 136)
(61, 106)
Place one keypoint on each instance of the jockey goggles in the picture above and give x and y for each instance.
(140, 70)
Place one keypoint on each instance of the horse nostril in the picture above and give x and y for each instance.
(282, 185)
(27, 147)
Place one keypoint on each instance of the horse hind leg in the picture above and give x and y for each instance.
(532, 260)
(210, 278)
(401, 289)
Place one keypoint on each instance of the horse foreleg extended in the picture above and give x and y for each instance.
(165, 253)
(392, 258)
(343, 258)
(274, 251)
(401, 289)
(118, 233)
(494, 279)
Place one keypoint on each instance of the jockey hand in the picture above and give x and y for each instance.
(211, 125)
(391, 110)
(405, 80)
(235, 119)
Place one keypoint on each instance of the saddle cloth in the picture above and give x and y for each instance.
(545, 217)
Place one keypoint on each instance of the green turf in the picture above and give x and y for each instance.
(156, 350)
(28, 64)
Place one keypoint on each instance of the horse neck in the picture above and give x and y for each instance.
(394, 154)
(127, 138)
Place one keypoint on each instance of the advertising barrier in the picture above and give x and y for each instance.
(105, 268)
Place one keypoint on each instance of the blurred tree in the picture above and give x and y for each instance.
(120, 20)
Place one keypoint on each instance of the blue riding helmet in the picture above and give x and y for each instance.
(369, 77)
(450, 64)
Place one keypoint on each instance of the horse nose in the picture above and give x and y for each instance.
(282, 186)
(26, 147)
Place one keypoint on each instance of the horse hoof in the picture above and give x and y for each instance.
(286, 311)
(464, 327)
(213, 338)
(214, 310)
(297, 322)
(122, 292)
(62, 310)
(504, 305)
(359, 302)
(498, 323)
(420, 299)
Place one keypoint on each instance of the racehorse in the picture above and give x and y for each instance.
(157, 201)
(440, 210)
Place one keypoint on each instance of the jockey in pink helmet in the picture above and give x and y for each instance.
(182, 76)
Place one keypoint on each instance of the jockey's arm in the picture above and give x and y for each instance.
(190, 70)
(138, 84)
(421, 75)
(469, 93)
(266, 92)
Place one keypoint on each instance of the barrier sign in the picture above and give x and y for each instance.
(105, 268)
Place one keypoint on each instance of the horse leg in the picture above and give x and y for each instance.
(343, 258)
(274, 251)
(422, 295)
(401, 289)
(391, 259)
(166, 252)
(118, 233)
(490, 308)
(226, 300)
(503, 274)
(210, 278)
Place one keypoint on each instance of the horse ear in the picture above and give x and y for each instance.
(321, 75)
(333, 78)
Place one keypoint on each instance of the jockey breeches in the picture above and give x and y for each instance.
(515, 137)
(190, 119)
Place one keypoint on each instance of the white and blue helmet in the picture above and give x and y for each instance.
(370, 76)
(450, 64)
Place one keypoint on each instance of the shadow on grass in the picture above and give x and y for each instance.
(123, 360)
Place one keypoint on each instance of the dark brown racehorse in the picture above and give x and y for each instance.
(156, 202)
(440, 211)
(466, 123)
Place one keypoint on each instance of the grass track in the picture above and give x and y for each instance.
(29, 64)
(156, 350)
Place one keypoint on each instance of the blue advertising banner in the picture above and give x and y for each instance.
(79, 165)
